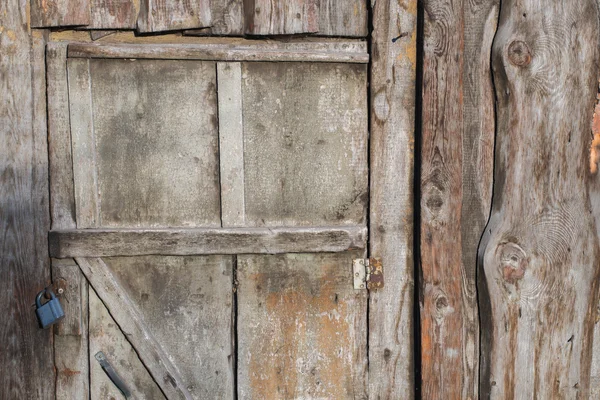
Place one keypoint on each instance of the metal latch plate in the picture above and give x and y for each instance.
(367, 273)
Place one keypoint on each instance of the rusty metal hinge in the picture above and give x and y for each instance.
(368, 273)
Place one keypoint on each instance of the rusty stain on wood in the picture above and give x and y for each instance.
(302, 327)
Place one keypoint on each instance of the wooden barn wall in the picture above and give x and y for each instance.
(505, 110)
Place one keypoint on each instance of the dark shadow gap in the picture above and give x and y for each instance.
(417, 202)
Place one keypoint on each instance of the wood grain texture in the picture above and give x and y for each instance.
(393, 77)
(343, 18)
(456, 179)
(224, 52)
(83, 144)
(538, 257)
(113, 14)
(186, 302)
(231, 144)
(27, 354)
(227, 19)
(130, 321)
(305, 144)
(71, 334)
(58, 13)
(166, 15)
(154, 165)
(105, 336)
(301, 328)
(103, 242)
(62, 200)
(281, 17)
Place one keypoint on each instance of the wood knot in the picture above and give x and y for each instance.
(519, 53)
(513, 262)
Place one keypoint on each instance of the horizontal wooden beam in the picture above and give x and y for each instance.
(129, 242)
(224, 52)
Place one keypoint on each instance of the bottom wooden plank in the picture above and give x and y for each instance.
(186, 303)
(71, 334)
(302, 329)
(105, 336)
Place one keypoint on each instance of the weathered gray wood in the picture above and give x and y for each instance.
(281, 17)
(26, 351)
(456, 179)
(344, 18)
(539, 255)
(71, 334)
(62, 200)
(156, 140)
(305, 144)
(130, 321)
(302, 328)
(113, 14)
(393, 77)
(213, 52)
(186, 302)
(83, 144)
(105, 336)
(231, 144)
(57, 13)
(166, 15)
(227, 19)
(103, 242)
(74, 298)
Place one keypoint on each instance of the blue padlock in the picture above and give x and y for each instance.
(50, 312)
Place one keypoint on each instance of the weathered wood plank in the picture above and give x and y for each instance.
(302, 328)
(129, 319)
(305, 144)
(71, 334)
(113, 14)
(213, 52)
(343, 18)
(74, 298)
(227, 19)
(157, 149)
(166, 15)
(59, 13)
(100, 243)
(27, 354)
(281, 17)
(62, 200)
(186, 302)
(105, 336)
(539, 255)
(83, 144)
(456, 179)
(231, 144)
(393, 79)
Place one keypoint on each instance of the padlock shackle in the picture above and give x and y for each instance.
(38, 298)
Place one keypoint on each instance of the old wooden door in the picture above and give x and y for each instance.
(214, 198)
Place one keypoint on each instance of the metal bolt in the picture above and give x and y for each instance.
(60, 290)
(357, 274)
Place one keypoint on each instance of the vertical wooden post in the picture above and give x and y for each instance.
(541, 249)
(393, 77)
(26, 355)
(456, 180)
